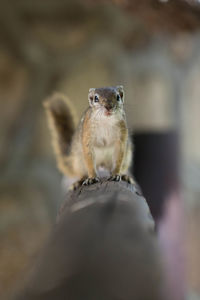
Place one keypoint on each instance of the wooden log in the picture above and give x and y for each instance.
(103, 247)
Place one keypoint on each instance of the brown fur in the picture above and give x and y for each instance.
(121, 147)
(88, 147)
(62, 123)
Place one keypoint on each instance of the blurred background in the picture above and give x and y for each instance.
(151, 47)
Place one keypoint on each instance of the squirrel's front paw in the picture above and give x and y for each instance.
(123, 177)
(90, 180)
(115, 177)
(128, 179)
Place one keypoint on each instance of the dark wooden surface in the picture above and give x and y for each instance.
(103, 247)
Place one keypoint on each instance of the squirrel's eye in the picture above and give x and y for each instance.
(118, 97)
(96, 98)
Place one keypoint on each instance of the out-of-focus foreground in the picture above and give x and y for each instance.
(152, 48)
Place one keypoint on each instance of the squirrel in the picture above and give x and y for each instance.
(100, 140)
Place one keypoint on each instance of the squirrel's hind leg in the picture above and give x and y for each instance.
(77, 184)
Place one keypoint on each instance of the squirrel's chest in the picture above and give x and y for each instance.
(106, 133)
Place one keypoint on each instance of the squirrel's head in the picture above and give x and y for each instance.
(110, 99)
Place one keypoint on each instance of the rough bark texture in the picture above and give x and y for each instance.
(103, 247)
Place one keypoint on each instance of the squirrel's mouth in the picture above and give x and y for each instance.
(108, 112)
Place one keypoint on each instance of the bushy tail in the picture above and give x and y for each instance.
(62, 122)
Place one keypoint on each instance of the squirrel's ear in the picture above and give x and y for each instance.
(120, 89)
(91, 96)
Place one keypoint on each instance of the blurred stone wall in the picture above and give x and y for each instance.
(70, 47)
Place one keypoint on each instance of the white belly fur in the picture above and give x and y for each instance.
(104, 157)
(106, 130)
(104, 149)
(106, 134)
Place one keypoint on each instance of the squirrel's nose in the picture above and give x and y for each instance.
(109, 106)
